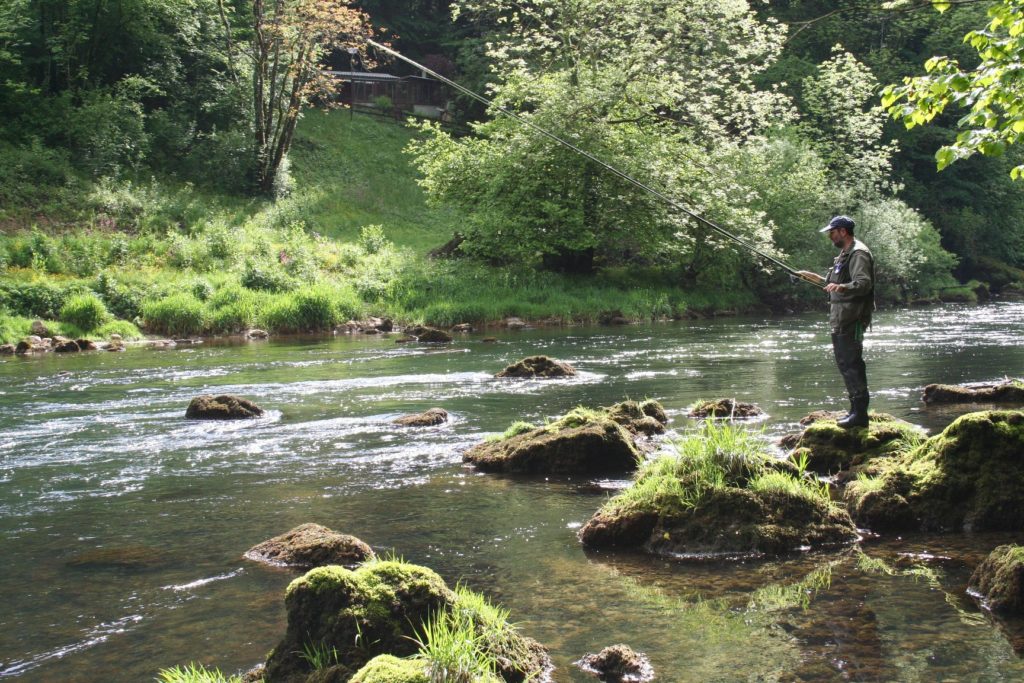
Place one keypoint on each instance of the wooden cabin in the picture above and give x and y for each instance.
(418, 95)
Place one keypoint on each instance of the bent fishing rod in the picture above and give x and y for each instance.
(600, 162)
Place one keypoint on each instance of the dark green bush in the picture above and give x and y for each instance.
(84, 311)
(311, 309)
(37, 298)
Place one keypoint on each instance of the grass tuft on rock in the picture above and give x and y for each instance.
(194, 673)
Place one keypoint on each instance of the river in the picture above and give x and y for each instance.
(123, 524)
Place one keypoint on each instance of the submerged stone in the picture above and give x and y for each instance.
(829, 448)
(430, 418)
(618, 664)
(725, 407)
(222, 407)
(999, 580)
(1007, 392)
(538, 366)
(131, 558)
(432, 336)
(6, 349)
(311, 545)
(968, 478)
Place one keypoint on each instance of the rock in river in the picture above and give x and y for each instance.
(618, 664)
(829, 448)
(999, 580)
(311, 545)
(430, 418)
(582, 441)
(379, 609)
(1007, 392)
(223, 407)
(725, 407)
(538, 366)
(720, 496)
(968, 478)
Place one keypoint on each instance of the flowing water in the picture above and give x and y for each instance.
(123, 524)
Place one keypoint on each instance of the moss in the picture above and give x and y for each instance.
(372, 610)
(830, 448)
(999, 580)
(720, 494)
(389, 669)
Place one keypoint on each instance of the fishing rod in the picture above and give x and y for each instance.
(603, 164)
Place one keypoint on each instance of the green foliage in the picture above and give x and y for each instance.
(515, 429)
(40, 298)
(320, 655)
(127, 330)
(85, 311)
(194, 673)
(990, 92)
(13, 328)
(372, 239)
(267, 276)
(177, 315)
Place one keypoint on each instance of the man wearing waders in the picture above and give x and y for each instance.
(850, 284)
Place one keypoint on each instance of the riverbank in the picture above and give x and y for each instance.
(350, 241)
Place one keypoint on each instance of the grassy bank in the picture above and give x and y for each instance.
(348, 242)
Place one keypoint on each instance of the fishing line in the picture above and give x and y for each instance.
(603, 164)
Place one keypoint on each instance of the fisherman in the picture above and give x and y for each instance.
(850, 284)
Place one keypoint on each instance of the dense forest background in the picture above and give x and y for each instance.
(154, 168)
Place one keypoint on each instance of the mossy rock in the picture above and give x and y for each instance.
(728, 521)
(430, 418)
(829, 448)
(373, 610)
(389, 669)
(999, 580)
(968, 478)
(223, 407)
(538, 366)
(1007, 392)
(311, 545)
(595, 447)
(725, 407)
(378, 609)
(647, 417)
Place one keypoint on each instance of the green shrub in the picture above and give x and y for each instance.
(37, 298)
(124, 328)
(13, 328)
(175, 315)
(313, 309)
(372, 239)
(85, 311)
(194, 673)
(266, 276)
(124, 299)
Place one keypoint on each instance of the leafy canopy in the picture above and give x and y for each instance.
(992, 92)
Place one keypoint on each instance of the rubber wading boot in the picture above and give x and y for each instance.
(858, 417)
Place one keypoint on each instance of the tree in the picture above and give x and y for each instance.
(289, 43)
(656, 89)
(992, 92)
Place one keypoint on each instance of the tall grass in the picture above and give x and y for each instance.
(194, 673)
(455, 650)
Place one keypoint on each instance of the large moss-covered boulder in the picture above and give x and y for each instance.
(968, 478)
(583, 441)
(1005, 392)
(389, 669)
(595, 447)
(828, 448)
(380, 609)
(310, 545)
(373, 610)
(222, 407)
(538, 366)
(720, 495)
(999, 580)
(729, 521)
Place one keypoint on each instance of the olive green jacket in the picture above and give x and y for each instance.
(854, 268)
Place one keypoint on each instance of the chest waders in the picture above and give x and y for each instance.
(849, 318)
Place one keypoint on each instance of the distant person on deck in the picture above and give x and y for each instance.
(850, 284)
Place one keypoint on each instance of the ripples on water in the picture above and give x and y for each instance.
(123, 524)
